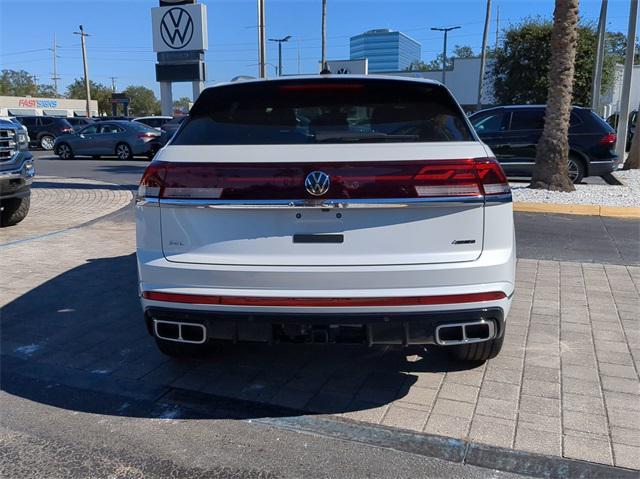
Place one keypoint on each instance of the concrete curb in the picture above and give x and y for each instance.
(585, 210)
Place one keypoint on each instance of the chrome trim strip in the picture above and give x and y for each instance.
(604, 161)
(142, 201)
(503, 198)
(180, 324)
(465, 340)
(10, 175)
(330, 203)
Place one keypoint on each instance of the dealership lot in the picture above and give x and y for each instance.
(566, 383)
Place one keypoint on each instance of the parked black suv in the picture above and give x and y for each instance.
(44, 129)
(631, 128)
(78, 122)
(16, 173)
(512, 133)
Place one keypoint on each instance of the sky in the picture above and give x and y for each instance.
(120, 44)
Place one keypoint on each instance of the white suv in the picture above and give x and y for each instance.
(326, 209)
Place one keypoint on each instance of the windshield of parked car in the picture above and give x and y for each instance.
(324, 111)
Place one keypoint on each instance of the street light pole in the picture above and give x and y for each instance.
(262, 47)
(86, 68)
(280, 42)
(324, 35)
(444, 50)
(599, 59)
(623, 114)
(483, 56)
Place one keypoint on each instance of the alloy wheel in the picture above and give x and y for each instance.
(47, 142)
(123, 152)
(64, 152)
(574, 170)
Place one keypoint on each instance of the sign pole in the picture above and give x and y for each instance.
(166, 98)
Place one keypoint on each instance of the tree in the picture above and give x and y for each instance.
(99, 92)
(615, 44)
(520, 69)
(459, 51)
(182, 103)
(463, 51)
(142, 101)
(550, 171)
(21, 83)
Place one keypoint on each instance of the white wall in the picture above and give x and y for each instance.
(462, 80)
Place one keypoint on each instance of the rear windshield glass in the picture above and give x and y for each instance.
(324, 111)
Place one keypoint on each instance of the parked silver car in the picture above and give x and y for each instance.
(124, 139)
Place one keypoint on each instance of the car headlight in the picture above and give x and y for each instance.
(23, 141)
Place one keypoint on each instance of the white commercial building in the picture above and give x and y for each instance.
(63, 107)
(462, 80)
(610, 100)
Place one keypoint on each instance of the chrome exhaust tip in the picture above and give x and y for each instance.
(192, 333)
(465, 333)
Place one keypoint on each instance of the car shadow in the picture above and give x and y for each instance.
(78, 342)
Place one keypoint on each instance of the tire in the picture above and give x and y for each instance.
(46, 142)
(64, 151)
(181, 350)
(477, 352)
(14, 210)
(576, 169)
(123, 151)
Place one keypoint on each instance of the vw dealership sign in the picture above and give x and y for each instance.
(179, 28)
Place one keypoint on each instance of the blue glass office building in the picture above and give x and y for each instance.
(387, 50)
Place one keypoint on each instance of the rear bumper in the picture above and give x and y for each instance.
(602, 167)
(405, 328)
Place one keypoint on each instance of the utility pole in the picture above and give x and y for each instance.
(113, 84)
(483, 56)
(86, 68)
(444, 50)
(280, 42)
(262, 47)
(55, 76)
(623, 115)
(324, 36)
(599, 59)
(35, 80)
(497, 24)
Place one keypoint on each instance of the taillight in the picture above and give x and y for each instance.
(609, 139)
(357, 180)
(66, 130)
(148, 135)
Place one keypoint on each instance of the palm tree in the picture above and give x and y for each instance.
(324, 35)
(551, 171)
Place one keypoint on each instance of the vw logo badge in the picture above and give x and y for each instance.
(317, 183)
(176, 28)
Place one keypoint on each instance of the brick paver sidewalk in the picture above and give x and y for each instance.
(565, 384)
(61, 203)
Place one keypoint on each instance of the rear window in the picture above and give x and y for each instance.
(324, 111)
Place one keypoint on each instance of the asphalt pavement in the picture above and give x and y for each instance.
(539, 236)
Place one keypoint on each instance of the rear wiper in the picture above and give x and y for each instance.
(355, 137)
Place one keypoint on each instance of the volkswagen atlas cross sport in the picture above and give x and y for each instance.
(326, 209)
